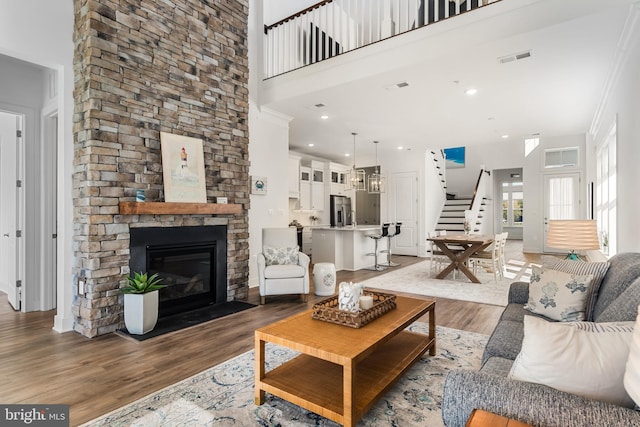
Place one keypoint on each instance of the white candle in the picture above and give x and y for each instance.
(366, 301)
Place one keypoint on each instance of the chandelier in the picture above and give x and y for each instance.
(356, 177)
(377, 181)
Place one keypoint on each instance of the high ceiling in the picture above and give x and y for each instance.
(554, 92)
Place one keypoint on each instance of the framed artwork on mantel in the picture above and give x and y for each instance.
(183, 169)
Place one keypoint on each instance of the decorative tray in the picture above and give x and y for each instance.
(328, 311)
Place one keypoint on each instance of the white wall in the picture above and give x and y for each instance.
(268, 151)
(41, 31)
(497, 155)
(622, 103)
(275, 10)
(434, 199)
(269, 154)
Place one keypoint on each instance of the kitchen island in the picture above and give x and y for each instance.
(346, 247)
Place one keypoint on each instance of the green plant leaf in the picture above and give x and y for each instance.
(141, 283)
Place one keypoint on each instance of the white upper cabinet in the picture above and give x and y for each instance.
(294, 173)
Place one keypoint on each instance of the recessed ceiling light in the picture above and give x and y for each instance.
(400, 147)
(311, 144)
(471, 91)
(324, 117)
(505, 136)
(347, 154)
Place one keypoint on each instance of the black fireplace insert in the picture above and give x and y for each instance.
(191, 261)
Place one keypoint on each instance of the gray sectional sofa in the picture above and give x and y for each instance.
(490, 389)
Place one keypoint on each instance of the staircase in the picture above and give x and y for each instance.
(452, 216)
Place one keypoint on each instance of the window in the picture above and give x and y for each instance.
(605, 193)
(512, 204)
(561, 157)
(530, 144)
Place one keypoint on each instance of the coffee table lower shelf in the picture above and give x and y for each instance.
(317, 385)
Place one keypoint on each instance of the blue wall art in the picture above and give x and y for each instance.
(454, 157)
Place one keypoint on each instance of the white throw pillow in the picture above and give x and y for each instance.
(597, 269)
(280, 256)
(558, 295)
(583, 358)
(632, 372)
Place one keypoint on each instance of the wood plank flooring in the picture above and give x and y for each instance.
(98, 375)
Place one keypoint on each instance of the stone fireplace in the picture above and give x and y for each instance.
(143, 67)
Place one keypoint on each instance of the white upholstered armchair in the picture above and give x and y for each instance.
(282, 268)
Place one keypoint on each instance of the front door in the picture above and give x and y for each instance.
(561, 201)
(403, 207)
(10, 137)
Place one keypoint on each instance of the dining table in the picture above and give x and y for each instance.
(459, 248)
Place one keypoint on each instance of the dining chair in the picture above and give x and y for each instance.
(438, 258)
(490, 257)
(503, 262)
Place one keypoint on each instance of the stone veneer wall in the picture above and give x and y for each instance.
(142, 67)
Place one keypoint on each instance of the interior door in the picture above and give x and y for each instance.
(403, 207)
(10, 125)
(561, 201)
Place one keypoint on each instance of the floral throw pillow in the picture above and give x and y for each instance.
(558, 295)
(280, 256)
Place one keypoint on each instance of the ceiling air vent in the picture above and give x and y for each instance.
(397, 86)
(318, 106)
(514, 57)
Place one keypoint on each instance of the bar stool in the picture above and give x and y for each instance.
(376, 238)
(388, 250)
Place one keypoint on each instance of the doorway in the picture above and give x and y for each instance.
(561, 200)
(403, 207)
(11, 207)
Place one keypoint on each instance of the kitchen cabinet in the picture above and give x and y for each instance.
(305, 188)
(337, 175)
(318, 191)
(317, 196)
(294, 181)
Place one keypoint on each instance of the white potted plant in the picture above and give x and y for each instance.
(141, 302)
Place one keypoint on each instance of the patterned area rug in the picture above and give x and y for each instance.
(223, 395)
(416, 279)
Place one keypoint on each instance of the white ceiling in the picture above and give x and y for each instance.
(555, 92)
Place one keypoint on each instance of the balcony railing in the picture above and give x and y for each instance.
(333, 27)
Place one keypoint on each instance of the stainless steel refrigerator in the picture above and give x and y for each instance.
(340, 211)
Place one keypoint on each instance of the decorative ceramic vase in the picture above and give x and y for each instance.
(324, 278)
(141, 312)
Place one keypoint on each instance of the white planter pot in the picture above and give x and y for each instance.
(140, 312)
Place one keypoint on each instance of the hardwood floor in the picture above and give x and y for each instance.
(96, 376)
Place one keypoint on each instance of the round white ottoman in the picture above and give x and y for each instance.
(324, 278)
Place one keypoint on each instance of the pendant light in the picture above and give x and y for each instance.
(376, 181)
(356, 177)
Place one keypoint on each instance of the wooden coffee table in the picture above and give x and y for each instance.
(341, 371)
